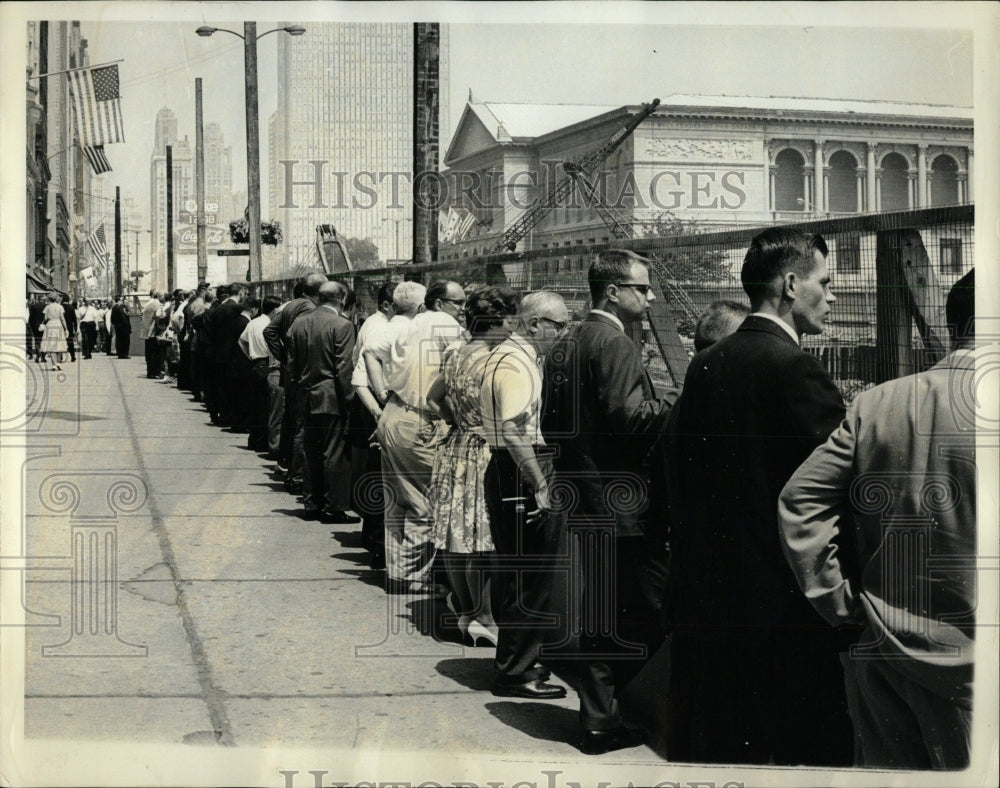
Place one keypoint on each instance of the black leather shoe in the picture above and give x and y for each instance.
(600, 742)
(331, 517)
(535, 690)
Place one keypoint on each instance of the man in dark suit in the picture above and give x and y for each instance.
(755, 673)
(71, 326)
(36, 322)
(212, 378)
(122, 326)
(320, 348)
(227, 323)
(275, 335)
(602, 414)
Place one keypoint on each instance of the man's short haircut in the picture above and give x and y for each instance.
(221, 292)
(250, 304)
(611, 267)
(773, 253)
(313, 282)
(269, 304)
(436, 290)
(236, 288)
(960, 309)
(538, 303)
(720, 319)
(299, 288)
(332, 293)
(350, 298)
(487, 307)
(385, 293)
(408, 296)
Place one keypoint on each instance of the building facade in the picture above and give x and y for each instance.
(220, 204)
(705, 162)
(341, 141)
(59, 181)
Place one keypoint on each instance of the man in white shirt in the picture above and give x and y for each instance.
(366, 462)
(516, 486)
(409, 434)
(88, 328)
(266, 396)
(152, 310)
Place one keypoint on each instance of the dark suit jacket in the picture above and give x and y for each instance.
(276, 332)
(36, 316)
(225, 326)
(71, 322)
(753, 408)
(320, 344)
(120, 321)
(600, 410)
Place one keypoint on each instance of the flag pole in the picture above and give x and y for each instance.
(79, 68)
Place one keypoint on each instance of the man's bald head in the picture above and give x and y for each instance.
(332, 293)
(312, 285)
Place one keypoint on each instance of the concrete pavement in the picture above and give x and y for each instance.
(217, 617)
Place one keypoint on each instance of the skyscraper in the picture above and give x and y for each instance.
(343, 132)
(220, 207)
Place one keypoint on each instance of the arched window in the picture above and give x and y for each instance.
(789, 184)
(895, 188)
(944, 183)
(843, 182)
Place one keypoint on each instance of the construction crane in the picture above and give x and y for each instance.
(332, 250)
(543, 205)
(621, 227)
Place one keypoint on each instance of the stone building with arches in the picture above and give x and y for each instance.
(707, 162)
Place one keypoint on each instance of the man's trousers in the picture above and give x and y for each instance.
(88, 338)
(328, 464)
(524, 571)
(408, 440)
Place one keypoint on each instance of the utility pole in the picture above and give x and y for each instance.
(426, 87)
(253, 150)
(118, 240)
(199, 147)
(170, 218)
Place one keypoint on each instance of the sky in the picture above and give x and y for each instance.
(540, 62)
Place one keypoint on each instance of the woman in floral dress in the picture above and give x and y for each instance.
(458, 506)
(54, 336)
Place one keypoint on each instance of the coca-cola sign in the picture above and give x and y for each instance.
(187, 237)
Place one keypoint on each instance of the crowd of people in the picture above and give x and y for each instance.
(521, 466)
(55, 327)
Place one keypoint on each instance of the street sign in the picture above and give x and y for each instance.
(233, 252)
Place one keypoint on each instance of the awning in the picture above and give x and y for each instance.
(36, 286)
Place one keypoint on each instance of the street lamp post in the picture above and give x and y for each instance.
(397, 220)
(250, 39)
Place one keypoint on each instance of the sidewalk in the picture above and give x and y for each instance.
(227, 620)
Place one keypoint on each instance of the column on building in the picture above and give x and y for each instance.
(859, 181)
(922, 200)
(768, 175)
(871, 202)
(819, 203)
(911, 189)
(968, 169)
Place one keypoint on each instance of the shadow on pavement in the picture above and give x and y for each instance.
(538, 720)
(473, 673)
(66, 415)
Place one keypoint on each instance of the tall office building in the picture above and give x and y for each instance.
(220, 206)
(343, 132)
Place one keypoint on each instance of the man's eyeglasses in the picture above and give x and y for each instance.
(644, 289)
(560, 325)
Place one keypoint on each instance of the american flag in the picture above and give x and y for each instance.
(98, 161)
(98, 245)
(97, 105)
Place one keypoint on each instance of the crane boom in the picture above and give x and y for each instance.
(542, 205)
